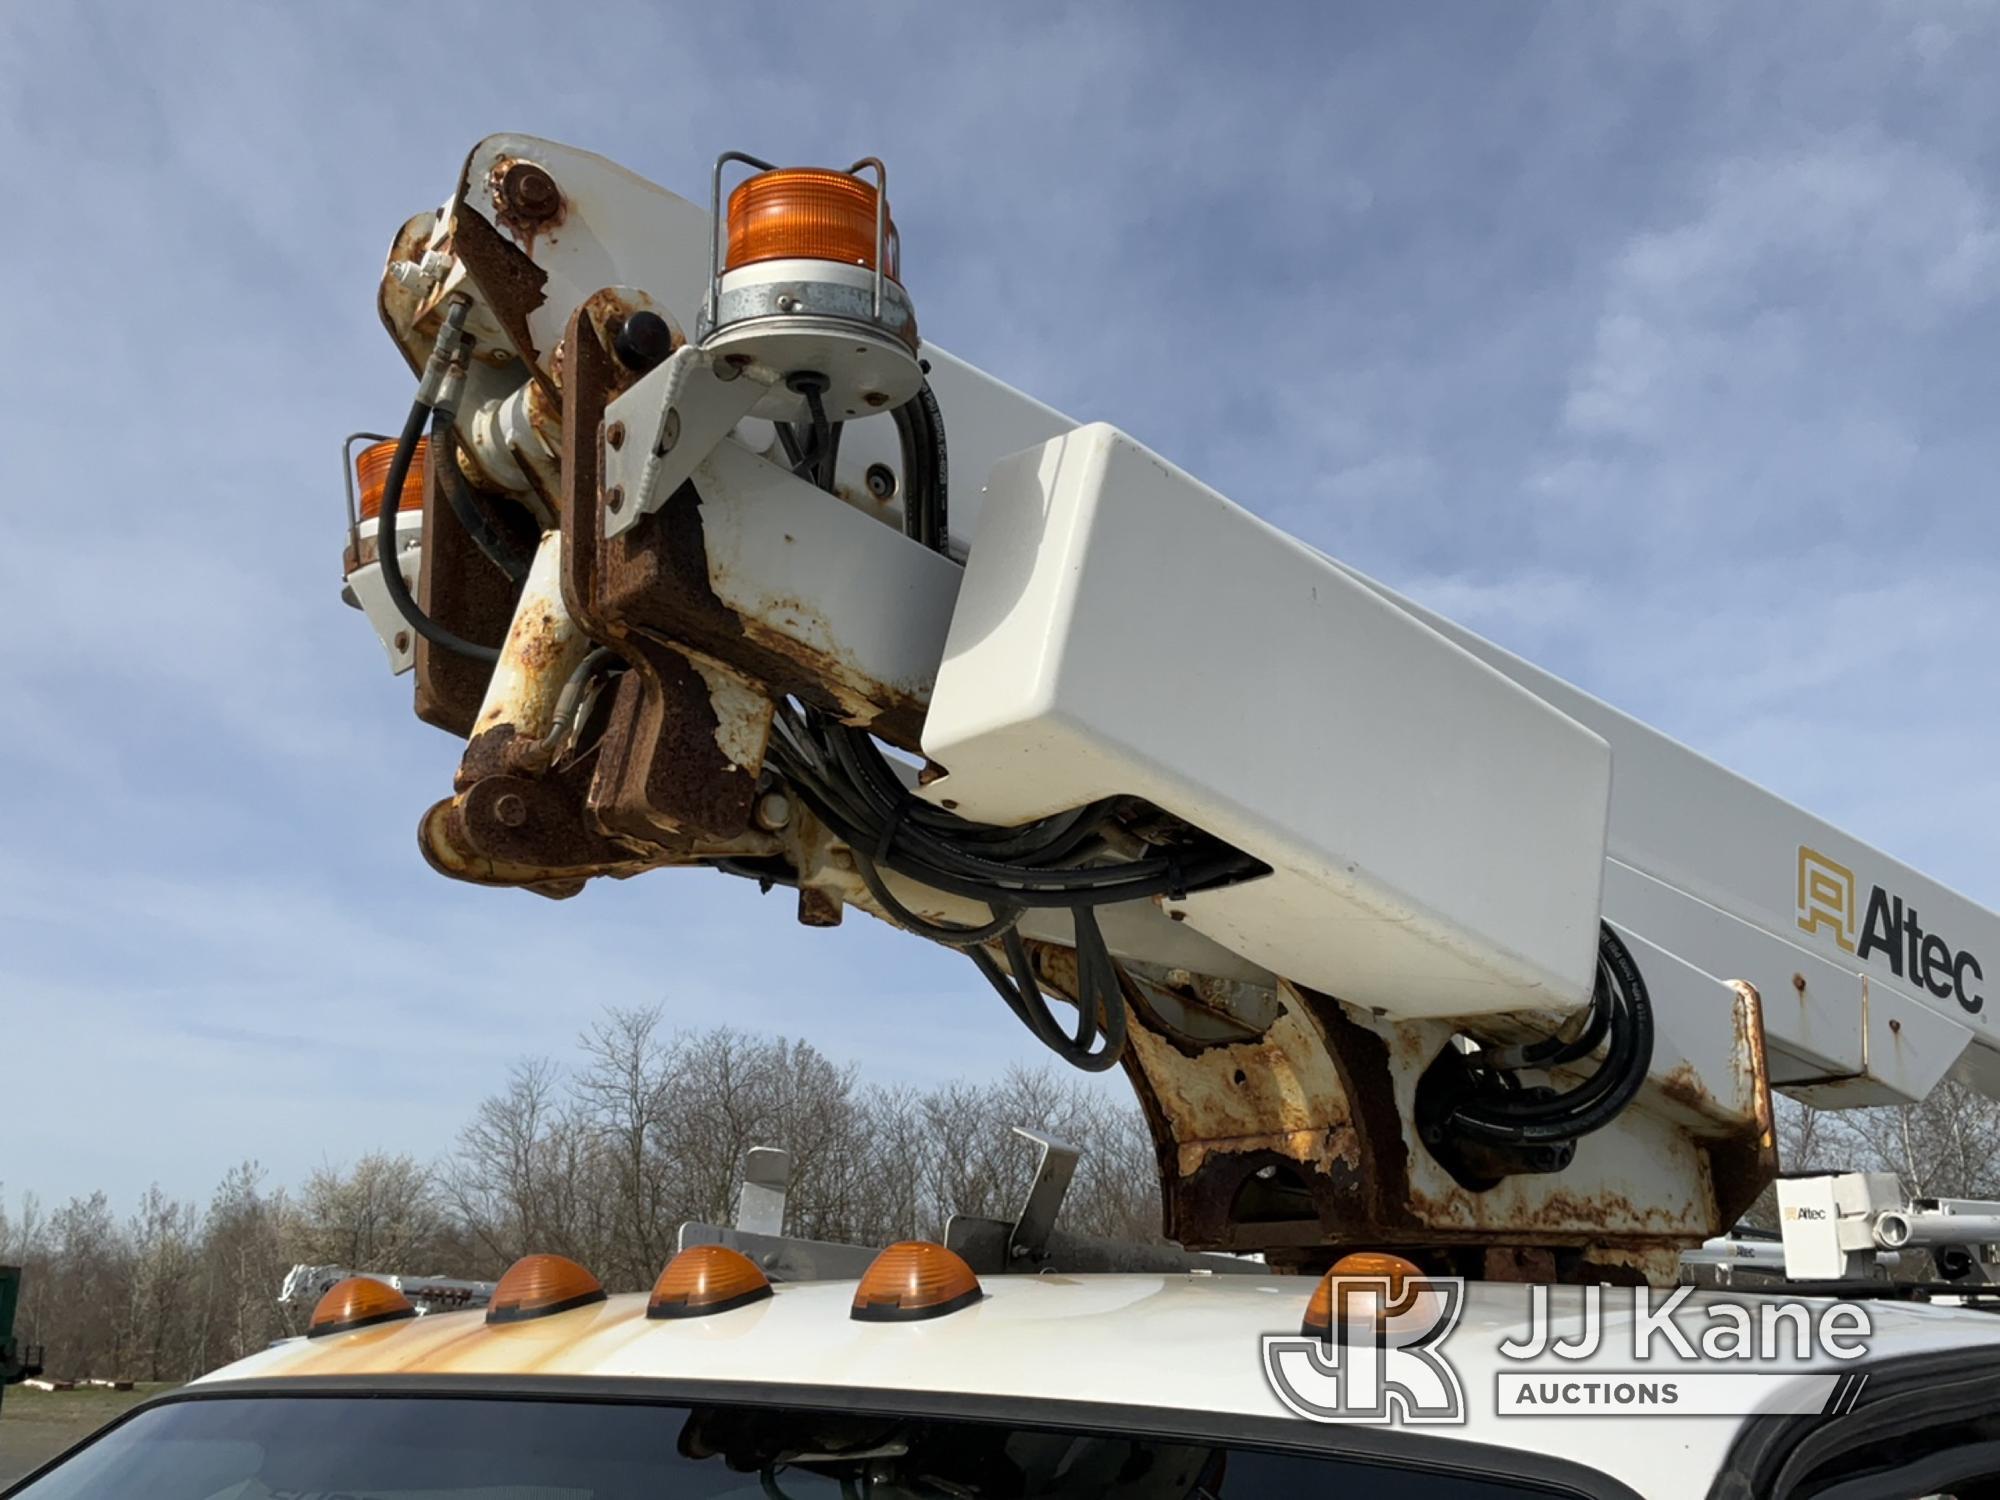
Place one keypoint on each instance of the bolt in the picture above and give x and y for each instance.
(787, 302)
(509, 811)
(527, 192)
(614, 499)
(774, 811)
(670, 431)
(876, 398)
(642, 342)
(402, 640)
(1799, 983)
(1895, 1025)
(614, 435)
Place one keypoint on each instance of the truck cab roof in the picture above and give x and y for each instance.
(1165, 1356)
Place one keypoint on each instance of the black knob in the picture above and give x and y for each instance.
(643, 341)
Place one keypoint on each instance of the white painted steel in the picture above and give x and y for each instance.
(372, 594)
(1706, 863)
(1436, 833)
(673, 418)
(544, 646)
(798, 566)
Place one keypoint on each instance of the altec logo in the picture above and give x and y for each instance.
(1888, 930)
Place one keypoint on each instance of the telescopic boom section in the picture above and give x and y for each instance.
(1405, 946)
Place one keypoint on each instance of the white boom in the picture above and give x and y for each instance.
(1401, 940)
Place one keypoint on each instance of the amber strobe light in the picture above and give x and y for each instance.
(1368, 1268)
(706, 1279)
(914, 1279)
(371, 468)
(806, 213)
(358, 1302)
(537, 1285)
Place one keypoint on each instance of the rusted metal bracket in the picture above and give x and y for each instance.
(1300, 1145)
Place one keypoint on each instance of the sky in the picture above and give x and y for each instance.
(1653, 341)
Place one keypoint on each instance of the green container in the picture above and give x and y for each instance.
(11, 1367)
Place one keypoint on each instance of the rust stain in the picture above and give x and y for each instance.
(526, 200)
(509, 282)
(656, 579)
(1683, 1085)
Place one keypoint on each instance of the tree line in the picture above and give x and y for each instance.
(599, 1159)
(602, 1158)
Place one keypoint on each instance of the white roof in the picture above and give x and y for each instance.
(1176, 1341)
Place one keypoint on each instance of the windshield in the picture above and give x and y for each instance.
(487, 1448)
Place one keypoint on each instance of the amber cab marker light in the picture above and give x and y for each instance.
(537, 1285)
(807, 213)
(1363, 1265)
(706, 1279)
(914, 1279)
(371, 469)
(358, 1302)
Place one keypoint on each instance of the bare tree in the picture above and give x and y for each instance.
(601, 1161)
(383, 1211)
(163, 1257)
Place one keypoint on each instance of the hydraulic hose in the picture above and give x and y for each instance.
(386, 553)
(1620, 994)
(497, 549)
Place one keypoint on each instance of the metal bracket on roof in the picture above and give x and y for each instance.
(760, 1203)
(1054, 1168)
(1032, 1243)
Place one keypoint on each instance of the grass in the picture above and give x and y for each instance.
(37, 1425)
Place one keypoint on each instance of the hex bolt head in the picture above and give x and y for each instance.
(643, 341)
(528, 193)
(774, 811)
(614, 435)
(509, 811)
(614, 499)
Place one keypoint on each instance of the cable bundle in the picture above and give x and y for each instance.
(1055, 862)
(1499, 1112)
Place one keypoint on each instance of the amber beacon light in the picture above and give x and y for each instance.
(1364, 1271)
(537, 1285)
(810, 213)
(358, 1302)
(705, 1279)
(914, 1279)
(805, 290)
(371, 467)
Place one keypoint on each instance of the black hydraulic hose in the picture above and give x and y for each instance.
(1599, 1099)
(1623, 1053)
(391, 563)
(926, 477)
(498, 550)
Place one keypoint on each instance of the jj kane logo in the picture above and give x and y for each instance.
(1376, 1355)
(1888, 931)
